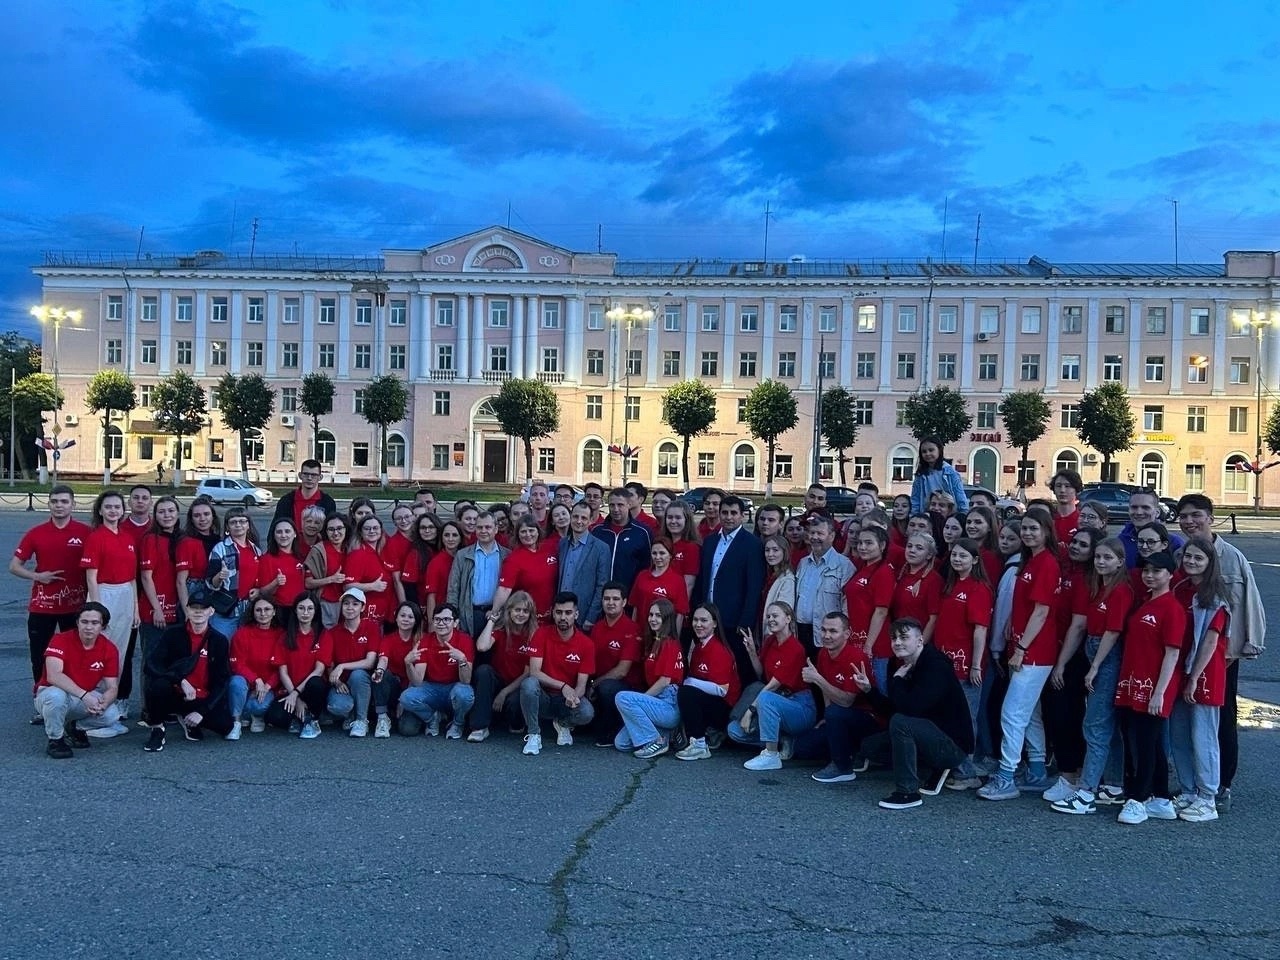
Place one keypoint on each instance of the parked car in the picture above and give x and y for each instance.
(695, 497)
(1006, 507)
(840, 499)
(233, 490)
(1115, 497)
(577, 491)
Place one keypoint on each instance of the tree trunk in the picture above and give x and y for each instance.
(1024, 466)
(106, 447)
(528, 459)
(843, 460)
(684, 463)
(244, 456)
(383, 476)
(177, 463)
(315, 438)
(768, 479)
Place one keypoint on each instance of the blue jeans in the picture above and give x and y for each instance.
(1104, 744)
(227, 626)
(1020, 718)
(645, 718)
(1196, 755)
(777, 715)
(428, 699)
(356, 701)
(845, 729)
(242, 703)
(880, 667)
(536, 703)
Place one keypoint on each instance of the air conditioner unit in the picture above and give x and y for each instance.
(984, 337)
(1090, 458)
(288, 420)
(117, 414)
(71, 420)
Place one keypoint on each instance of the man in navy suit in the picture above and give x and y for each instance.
(732, 577)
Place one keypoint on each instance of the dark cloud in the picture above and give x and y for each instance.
(207, 55)
(1206, 168)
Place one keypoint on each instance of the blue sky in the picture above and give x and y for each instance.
(345, 126)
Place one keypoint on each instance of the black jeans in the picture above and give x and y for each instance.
(699, 710)
(608, 721)
(40, 630)
(164, 700)
(1228, 734)
(1063, 714)
(1146, 773)
(314, 693)
(487, 683)
(126, 666)
(846, 728)
(908, 741)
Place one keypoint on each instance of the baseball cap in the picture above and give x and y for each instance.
(354, 592)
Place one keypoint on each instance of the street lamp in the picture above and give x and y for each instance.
(630, 315)
(1258, 323)
(56, 316)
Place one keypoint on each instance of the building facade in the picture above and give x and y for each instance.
(457, 319)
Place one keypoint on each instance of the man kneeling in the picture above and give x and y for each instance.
(561, 658)
(188, 674)
(79, 684)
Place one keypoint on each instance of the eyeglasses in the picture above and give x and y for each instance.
(444, 619)
(309, 476)
(1149, 541)
(237, 520)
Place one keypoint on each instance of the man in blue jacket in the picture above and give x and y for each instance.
(732, 577)
(584, 565)
(626, 540)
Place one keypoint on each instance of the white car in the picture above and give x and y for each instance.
(233, 490)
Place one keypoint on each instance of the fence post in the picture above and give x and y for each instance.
(31, 503)
(1234, 531)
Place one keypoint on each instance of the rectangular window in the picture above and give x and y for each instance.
(184, 309)
(1156, 321)
(826, 319)
(444, 357)
(439, 456)
(151, 308)
(1113, 321)
(288, 451)
(1112, 366)
(328, 310)
(706, 465)
(1198, 322)
(1239, 370)
(397, 356)
(144, 394)
(747, 363)
(1153, 418)
(827, 364)
(498, 359)
(1030, 319)
(744, 465)
(253, 352)
(668, 461)
(986, 415)
(1155, 369)
(710, 363)
(1198, 370)
(499, 313)
(787, 319)
(867, 318)
(292, 310)
(146, 448)
(947, 319)
(1241, 322)
(288, 399)
(546, 459)
(866, 366)
(671, 318)
(444, 317)
(631, 409)
(218, 353)
(551, 315)
(749, 320)
(742, 409)
(1238, 419)
(257, 310)
(1070, 418)
(900, 413)
(150, 350)
(115, 351)
(357, 401)
(441, 402)
(184, 352)
(1030, 366)
(1195, 477)
(986, 366)
(864, 413)
(218, 310)
(595, 363)
(989, 320)
(1071, 366)
(710, 319)
(906, 319)
(1196, 417)
(671, 363)
(360, 453)
(595, 406)
(326, 356)
(787, 363)
(906, 366)
(363, 356)
(398, 315)
(902, 468)
(783, 463)
(946, 366)
(635, 363)
(862, 468)
(1072, 319)
(550, 359)
(115, 307)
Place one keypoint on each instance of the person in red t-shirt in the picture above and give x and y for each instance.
(440, 669)
(847, 717)
(110, 564)
(188, 672)
(424, 544)
(397, 644)
(531, 566)
(680, 531)
(307, 494)
(57, 580)
(302, 661)
(366, 568)
(434, 586)
(783, 703)
(78, 684)
(1066, 486)
(617, 641)
(158, 604)
(508, 641)
(201, 533)
(918, 591)
(711, 686)
(323, 568)
(561, 661)
(356, 641)
(252, 672)
(397, 548)
(281, 575)
(660, 580)
(649, 717)
(867, 597)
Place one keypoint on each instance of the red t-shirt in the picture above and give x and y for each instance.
(414, 567)
(1065, 527)
(993, 564)
(363, 565)
(614, 643)
(300, 503)
(395, 551)
(1037, 584)
(707, 529)
(154, 556)
(686, 556)
(916, 595)
(435, 581)
(352, 646)
(510, 656)
(563, 660)
(713, 662)
(1211, 689)
(135, 531)
(649, 522)
(333, 560)
(1073, 595)
(1157, 625)
(395, 648)
(870, 587)
(783, 660)
(270, 564)
(252, 648)
(199, 675)
(839, 670)
(896, 557)
(667, 661)
(56, 549)
(534, 571)
(247, 560)
(438, 664)
(967, 606)
(113, 555)
(647, 588)
(88, 667)
(1109, 610)
(313, 648)
(193, 557)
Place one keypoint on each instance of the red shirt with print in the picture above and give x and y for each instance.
(199, 675)
(333, 560)
(56, 549)
(783, 660)
(870, 587)
(648, 587)
(435, 581)
(437, 661)
(193, 557)
(1156, 626)
(510, 656)
(1211, 688)
(966, 607)
(312, 648)
(840, 670)
(364, 565)
(247, 562)
(667, 661)
(88, 667)
(352, 646)
(154, 556)
(1109, 610)
(294, 586)
(562, 659)
(1073, 595)
(615, 642)
(113, 555)
(395, 648)
(395, 552)
(713, 662)
(916, 595)
(252, 649)
(1037, 584)
(686, 556)
(1065, 528)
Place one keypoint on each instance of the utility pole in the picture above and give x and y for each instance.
(817, 415)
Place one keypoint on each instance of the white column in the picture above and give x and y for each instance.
(573, 339)
(308, 346)
(1270, 352)
(690, 337)
(344, 335)
(769, 321)
(1220, 354)
(462, 361)
(1177, 359)
(478, 325)
(166, 332)
(1053, 326)
(846, 340)
(420, 336)
(651, 354)
(130, 332)
(272, 345)
(1137, 360)
(968, 330)
(1091, 328)
(728, 367)
(235, 344)
(1009, 376)
(886, 344)
(517, 338)
(533, 321)
(806, 343)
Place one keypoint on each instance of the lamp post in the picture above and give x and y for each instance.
(1257, 323)
(56, 316)
(630, 315)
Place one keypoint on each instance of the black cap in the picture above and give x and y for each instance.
(1163, 560)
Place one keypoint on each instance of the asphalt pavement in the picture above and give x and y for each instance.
(277, 847)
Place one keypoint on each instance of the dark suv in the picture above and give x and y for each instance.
(1115, 497)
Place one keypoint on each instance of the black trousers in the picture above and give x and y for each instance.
(126, 666)
(1146, 772)
(1228, 734)
(40, 630)
(1063, 714)
(907, 742)
(487, 683)
(608, 721)
(164, 699)
(314, 693)
(699, 710)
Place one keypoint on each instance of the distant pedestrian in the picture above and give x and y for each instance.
(160, 473)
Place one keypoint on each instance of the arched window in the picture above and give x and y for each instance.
(668, 459)
(1237, 474)
(326, 448)
(396, 448)
(593, 457)
(1151, 471)
(254, 446)
(1067, 460)
(744, 462)
(902, 465)
(115, 443)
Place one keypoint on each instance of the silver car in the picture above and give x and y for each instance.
(233, 490)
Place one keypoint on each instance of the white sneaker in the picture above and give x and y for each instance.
(358, 728)
(106, 733)
(454, 732)
(1184, 800)
(257, 725)
(564, 734)
(1080, 802)
(696, 750)
(478, 736)
(310, 730)
(532, 744)
(1133, 812)
(1199, 811)
(1158, 808)
(433, 725)
(765, 760)
(234, 734)
(1064, 789)
(1110, 795)
(382, 730)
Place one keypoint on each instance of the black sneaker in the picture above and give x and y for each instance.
(59, 749)
(901, 801)
(77, 737)
(832, 773)
(36, 721)
(933, 786)
(155, 743)
(604, 740)
(193, 732)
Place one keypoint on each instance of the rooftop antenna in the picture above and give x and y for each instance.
(766, 231)
(508, 214)
(945, 201)
(231, 242)
(1175, 231)
(141, 232)
(599, 238)
(977, 235)
(253, 239)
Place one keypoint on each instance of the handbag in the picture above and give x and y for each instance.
(223, 602)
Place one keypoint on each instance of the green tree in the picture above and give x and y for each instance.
(316, 401)
(386, 401)
(940, 412)
(1271, 432)
(245, 403)
(689, 408)
(1107, 422)
(19, 358)
(839, 424)
(771, 411)
(1026, 415)
(180, 409)
(33, 396)
(528, 410)
(108, 391)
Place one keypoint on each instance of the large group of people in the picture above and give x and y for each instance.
(1038, 654)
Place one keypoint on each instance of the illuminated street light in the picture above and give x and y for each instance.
(56, 316)
(631, 315)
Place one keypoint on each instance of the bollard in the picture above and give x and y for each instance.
(31, 503)
(1234, 531)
